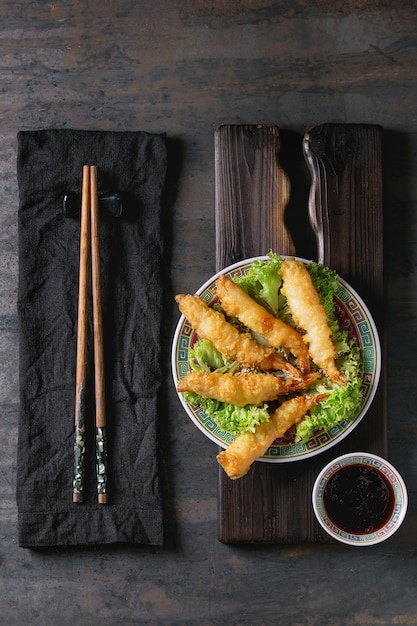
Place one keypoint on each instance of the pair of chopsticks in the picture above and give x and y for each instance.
(90, 228)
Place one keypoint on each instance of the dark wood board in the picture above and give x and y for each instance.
(251, 193)
(272, 503)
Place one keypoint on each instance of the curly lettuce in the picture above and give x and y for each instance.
(342, 402)
(263, 281)
(204, 357)
(233, 419)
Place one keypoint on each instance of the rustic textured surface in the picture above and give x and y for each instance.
(271, 504)
(185, 68)
(252, 192)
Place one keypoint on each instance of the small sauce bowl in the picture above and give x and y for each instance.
(360, 499)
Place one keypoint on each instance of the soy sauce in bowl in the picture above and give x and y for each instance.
(359, 499)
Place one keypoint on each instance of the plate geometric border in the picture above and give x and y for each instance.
(353, 316)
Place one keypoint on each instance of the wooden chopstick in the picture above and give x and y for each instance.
(90, 226)
(101, 430)
(81, 363)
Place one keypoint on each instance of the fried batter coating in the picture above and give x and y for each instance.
(310, 315)
(212, 325)
(245, 449)
(241, 389)
(236, 302)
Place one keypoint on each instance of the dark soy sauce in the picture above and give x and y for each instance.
(359, 499)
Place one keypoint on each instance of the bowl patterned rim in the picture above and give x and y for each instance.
(389, 471)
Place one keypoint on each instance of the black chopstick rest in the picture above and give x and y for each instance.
(110, 204)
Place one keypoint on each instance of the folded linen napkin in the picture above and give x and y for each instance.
(50, 165)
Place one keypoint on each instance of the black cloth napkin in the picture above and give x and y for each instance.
(49, 166)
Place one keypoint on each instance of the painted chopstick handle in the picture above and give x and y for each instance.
(81, 363)
(79, 456)
(101, 464)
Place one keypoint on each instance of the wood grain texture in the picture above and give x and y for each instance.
(272, 504)
(251, 193)
(345, 203)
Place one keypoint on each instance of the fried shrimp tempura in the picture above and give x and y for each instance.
(310, 315)
(246, 448)
(236, 302)
(241, 389)
(212, 325)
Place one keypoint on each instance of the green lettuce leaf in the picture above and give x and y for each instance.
(342, 402)
(262, 282)
(233, 419)
(204, 357)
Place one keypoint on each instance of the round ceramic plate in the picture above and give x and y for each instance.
(353, 317)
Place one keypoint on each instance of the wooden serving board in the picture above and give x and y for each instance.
(272, 503)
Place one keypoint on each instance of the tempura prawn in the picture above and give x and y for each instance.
(246, 448)
(242, 389)
(213, 326)
(236, 302)
(310, 315)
